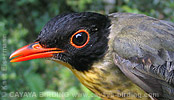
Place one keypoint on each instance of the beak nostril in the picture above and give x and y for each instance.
(36, 46)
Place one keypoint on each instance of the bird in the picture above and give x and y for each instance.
(119, 56)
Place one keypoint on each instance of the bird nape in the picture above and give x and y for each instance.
(118, 56)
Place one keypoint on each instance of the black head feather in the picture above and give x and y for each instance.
(58, 31)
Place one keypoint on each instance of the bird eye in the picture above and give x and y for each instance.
(80, 39)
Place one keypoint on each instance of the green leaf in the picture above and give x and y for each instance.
(35, 82)
(29, 98)
(50, 95)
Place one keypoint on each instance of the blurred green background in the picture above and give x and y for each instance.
(21, 22)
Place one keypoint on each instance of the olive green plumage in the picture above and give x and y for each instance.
(144, 51)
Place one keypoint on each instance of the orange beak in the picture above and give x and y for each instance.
(33, 51)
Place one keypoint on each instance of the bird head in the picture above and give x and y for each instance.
(76, 39)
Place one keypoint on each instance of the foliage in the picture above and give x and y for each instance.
(20, 23)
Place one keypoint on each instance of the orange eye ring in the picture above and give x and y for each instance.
(80, 31)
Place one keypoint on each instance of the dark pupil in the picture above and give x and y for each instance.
(80, 39)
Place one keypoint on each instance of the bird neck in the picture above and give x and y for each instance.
(107, 81)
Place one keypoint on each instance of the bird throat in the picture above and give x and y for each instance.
(108, 82)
